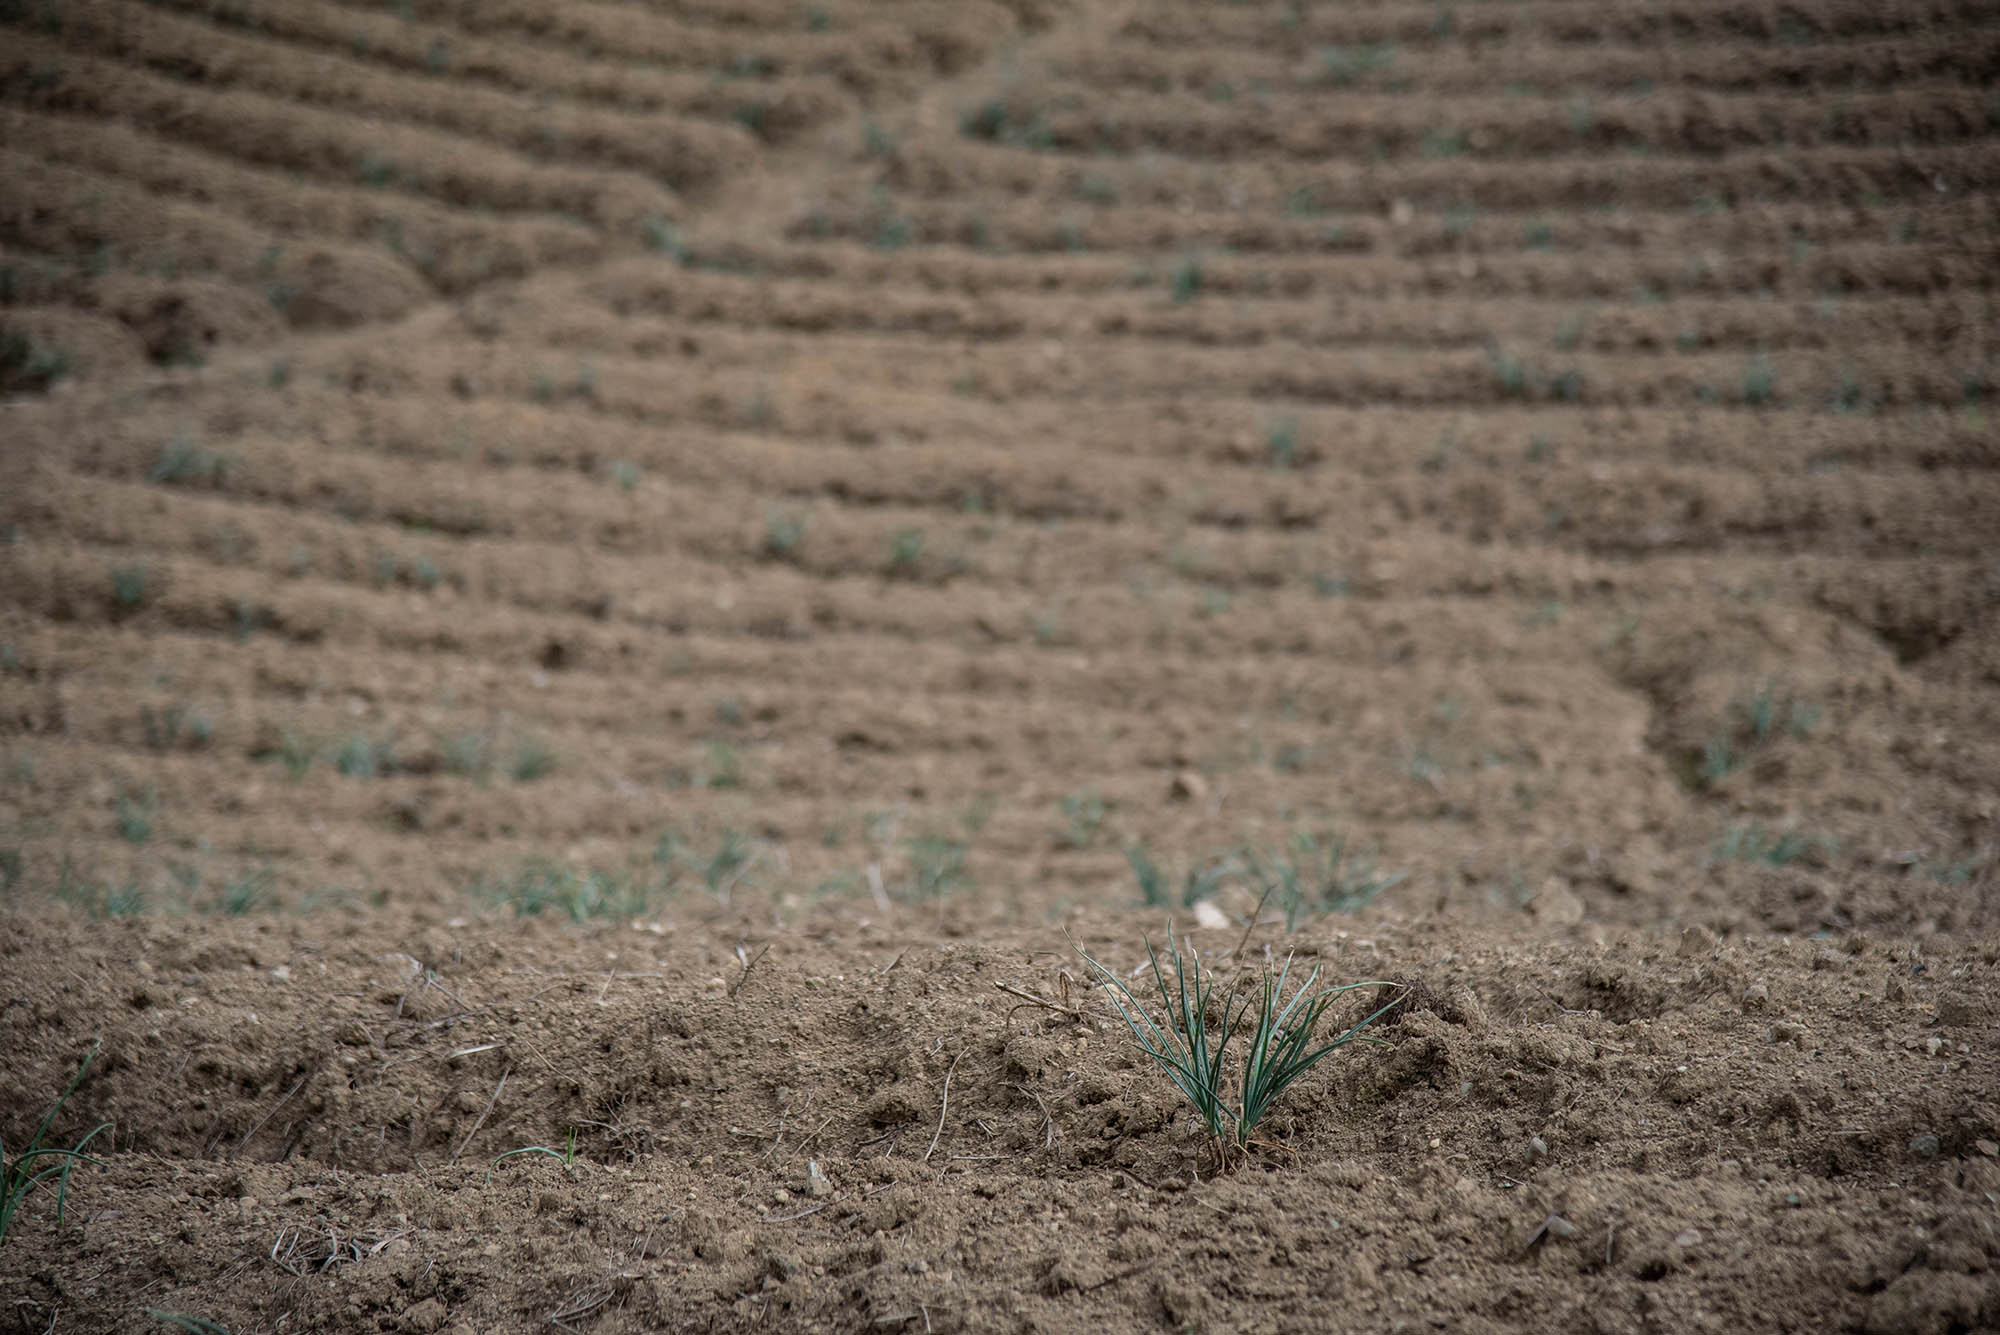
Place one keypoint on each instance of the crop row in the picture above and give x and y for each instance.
(1537, 65)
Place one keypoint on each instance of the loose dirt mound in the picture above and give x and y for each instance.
(1789, 1135)
(513, 510)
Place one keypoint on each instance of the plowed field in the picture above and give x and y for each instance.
(626, 578)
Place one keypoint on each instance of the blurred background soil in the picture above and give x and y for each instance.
(598, 576)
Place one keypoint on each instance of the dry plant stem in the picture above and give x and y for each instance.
(810, 1210)
(1251, 925)
(276, 1110)
(745, 975)
(481, 1119)
(578, 1305)
(1048, 1122)
(1030, 998)
(1109, 1280)
(943, 1104)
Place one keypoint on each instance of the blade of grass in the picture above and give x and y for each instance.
(565, 1156)
(17, 1180)
(1279, 1053)
(1181, 1050)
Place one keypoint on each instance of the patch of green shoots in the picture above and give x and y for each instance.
(1185, 281)
(1281, 440)
(176, 726)
(1279, 1043)
(937, 865)
(28, 363)
(565, 1156)
(363, 757)
(1315, 875)
(1760, 382)
(98, 899)
(129, 587)
(541, 887)
(905, 547)
(466, 754)
(719, 872)
(133, 813)
(296, 753)
(182, 463)
(1199, 882)
(1082, 812)
(533, 760)
(782, 532)
(36, 1163)
(725, 768)
(247, 893)
(1754, 843)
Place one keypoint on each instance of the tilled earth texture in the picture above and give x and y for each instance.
(598, 597)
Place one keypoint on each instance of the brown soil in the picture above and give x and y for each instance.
(625, 580)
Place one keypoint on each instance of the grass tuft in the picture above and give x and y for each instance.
(1754, 843)
(28, 363)
(906, 546)
(533, 760)
(1760, 382)
(1185, 281)
(247, 893)
(129, 588)
(1197, 883)
(1281, 440)
(937, 865)
(182, 463)
(1753, 722)
(1083, 812)
(1194, 1056)
(98, 899)
(782, 532)
(565, 1156)
(25, 1171)
(542, 887)
(1316, 875)
(364, 757)
(133, 813)
(720, 872)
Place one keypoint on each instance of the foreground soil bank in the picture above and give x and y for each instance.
(1635, 1133)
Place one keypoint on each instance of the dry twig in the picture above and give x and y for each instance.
(1029, 998)
(1048, 1122)
(943, 1103)
(481, 1120)
(740, 978)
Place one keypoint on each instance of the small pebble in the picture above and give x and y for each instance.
(1537, 1147)
(1926, 1146)
(1987, 1148)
